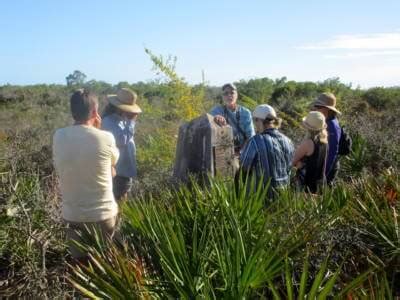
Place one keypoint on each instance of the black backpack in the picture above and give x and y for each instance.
(345, 142)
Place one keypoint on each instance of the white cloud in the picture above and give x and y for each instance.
(363, 59)
(370, 75)
(360, 41)
(351, 55)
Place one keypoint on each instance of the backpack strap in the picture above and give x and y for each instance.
(233, 122)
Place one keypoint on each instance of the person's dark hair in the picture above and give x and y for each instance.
(331, 114)
(82, 103)
(109, 110)
(277, 122)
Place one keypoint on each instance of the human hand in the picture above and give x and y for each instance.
(130, 116)
(97, 121)
(220, 120)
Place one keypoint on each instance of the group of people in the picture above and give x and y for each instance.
(268, 154)
(95, 158)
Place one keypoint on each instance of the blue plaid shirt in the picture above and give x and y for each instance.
(270, 155)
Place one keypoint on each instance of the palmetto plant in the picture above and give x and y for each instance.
(378, 210)
(356, 162)
(211, 242)
(111, 274)
(325, 283)
(376, 286)
(225, 241)
(301, 288)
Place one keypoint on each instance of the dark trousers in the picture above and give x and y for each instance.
(330, 177)
(121, 186)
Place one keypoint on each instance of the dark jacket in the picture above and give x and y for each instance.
(334, 133)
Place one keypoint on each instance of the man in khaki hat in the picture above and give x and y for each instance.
(326, 104)
(119, 118)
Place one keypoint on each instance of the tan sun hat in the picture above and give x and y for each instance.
(125, 100)
(327, 100)
(314, 121)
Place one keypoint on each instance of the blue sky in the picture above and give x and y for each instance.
(357, 41)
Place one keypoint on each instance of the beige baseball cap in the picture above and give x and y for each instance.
(264, 111)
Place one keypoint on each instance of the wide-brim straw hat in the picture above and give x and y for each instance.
(125, 100)
(327, 100)
(314, 121)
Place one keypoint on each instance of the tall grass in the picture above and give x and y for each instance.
(227, 242)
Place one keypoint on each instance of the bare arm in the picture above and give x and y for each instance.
(306, 148)
(114, 157)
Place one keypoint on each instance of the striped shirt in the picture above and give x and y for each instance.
(269, 154)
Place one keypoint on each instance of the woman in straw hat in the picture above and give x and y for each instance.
(119, 118)
(310, 156)
(326, 104)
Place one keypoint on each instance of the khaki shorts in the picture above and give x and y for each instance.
(74, 230)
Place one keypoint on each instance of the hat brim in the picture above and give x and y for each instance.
(316, 103)
(133, 108)
(309, 127)
(229, 85)
(270, 117)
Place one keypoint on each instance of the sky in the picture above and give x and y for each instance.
(42, 41)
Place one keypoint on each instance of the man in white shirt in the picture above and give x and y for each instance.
(84, 157)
